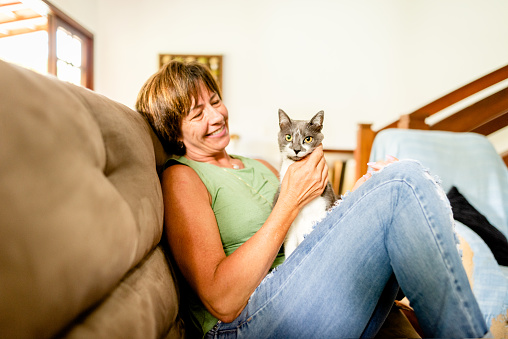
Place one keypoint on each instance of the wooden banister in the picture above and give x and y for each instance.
(462, 93)
(416, 119)
(493, 125)
(505, 157)
(476, 115)
(485, 117)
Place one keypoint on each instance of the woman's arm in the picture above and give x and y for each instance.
(225, 284)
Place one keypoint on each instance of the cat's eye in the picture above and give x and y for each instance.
(308, 140)
(289, 137)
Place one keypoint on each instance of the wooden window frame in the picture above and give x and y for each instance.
(56, 18)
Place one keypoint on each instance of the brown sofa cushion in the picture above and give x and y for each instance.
(80, 202)
(142, 306)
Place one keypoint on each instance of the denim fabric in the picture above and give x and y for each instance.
(339, 283)
(469, 162)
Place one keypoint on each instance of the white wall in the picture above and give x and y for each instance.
(83, 11)
(358, 60)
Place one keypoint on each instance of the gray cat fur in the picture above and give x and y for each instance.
(310, 127)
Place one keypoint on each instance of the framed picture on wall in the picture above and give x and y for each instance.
(214, 62)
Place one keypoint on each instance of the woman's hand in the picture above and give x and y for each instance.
(376, 167)
(305, 179)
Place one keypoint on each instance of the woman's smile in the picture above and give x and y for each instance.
(218, 133)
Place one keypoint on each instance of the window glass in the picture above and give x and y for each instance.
(29, 50)
(68, 53)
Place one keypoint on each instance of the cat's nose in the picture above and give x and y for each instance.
(297, 151)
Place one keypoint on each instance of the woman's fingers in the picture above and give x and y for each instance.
(376, 166)
(306, 179)
(321, 167)
(316, 156)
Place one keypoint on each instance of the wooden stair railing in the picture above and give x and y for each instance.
(479, 116)
(485, 116)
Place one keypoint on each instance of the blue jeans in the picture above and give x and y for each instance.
(342, 280)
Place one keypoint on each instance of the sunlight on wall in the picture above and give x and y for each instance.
(28, 50)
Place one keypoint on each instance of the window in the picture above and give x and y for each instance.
(68, 56)
(36, 35)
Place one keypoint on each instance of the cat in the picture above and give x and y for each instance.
(297, 139)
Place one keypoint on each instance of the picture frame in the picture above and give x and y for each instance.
(213, 62)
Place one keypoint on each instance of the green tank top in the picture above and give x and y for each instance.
(241, 201)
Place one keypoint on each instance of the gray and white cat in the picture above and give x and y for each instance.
(297, 139)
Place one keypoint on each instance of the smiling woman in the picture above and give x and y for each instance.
(166, 99)
(226, 234)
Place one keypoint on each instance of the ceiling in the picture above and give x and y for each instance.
(20, 17)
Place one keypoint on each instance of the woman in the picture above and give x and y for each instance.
(395, 228)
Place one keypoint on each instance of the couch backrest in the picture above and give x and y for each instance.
(80, 199)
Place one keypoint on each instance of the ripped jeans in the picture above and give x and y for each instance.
(396, 229)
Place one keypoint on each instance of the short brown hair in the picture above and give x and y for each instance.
(166, 98)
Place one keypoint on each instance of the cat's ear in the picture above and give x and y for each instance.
(317, 120)
(284, 119)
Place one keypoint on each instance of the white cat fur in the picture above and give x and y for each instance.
(309, 215)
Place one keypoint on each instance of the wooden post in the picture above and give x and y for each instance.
(364, 140)
(412, 121)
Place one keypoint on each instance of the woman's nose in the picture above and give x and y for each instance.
(214, 116)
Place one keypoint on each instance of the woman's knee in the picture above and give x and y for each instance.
(406, 165)
(406, 169)
(413, 174)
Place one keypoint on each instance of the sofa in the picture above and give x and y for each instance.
(81, 216)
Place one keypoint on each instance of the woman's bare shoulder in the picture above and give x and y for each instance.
(182, 180)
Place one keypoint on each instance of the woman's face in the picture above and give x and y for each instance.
(205, 130)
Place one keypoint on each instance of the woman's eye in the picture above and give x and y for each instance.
(215, 99)
(289, 137)
(308, 140)
(197, 116)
